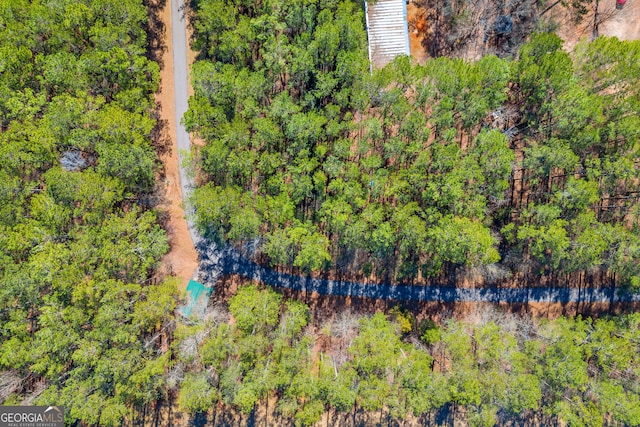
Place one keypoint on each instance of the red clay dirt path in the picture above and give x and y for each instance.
(417, 22)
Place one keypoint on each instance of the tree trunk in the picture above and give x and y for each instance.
(550, 7)
(266, 411)
(595, 21)
(353, 420)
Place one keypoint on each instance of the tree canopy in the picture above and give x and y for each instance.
(412, 171)
(81, 316)
(491, 368)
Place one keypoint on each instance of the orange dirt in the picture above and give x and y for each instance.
(418, 26)
(182, 260)
(623, 24)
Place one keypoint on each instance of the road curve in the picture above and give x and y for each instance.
(216, 260)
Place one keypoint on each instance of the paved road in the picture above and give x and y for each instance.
(180, 78)
(216, 260)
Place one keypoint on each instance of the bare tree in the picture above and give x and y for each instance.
(175, 376)
(10, 382)
(216, 314)
(39, 387)
(344, 327)
(188, 348)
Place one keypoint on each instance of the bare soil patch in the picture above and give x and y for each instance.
(417, 23)
(608, 21)
(468, 30)
(625, 23)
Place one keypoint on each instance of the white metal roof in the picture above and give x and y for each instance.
(387, 31)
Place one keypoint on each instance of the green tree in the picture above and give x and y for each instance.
(196, 394)
(496, 161)
(461, 241)
(254, 310)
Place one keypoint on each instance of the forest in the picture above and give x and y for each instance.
(488, 369)
(520, 166)
(79, 241)
(523, 166)
(507, 165)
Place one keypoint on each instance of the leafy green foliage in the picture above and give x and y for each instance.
(411, 171)
(255, 311)
(79, 312)
(494, 367)
(196, 395)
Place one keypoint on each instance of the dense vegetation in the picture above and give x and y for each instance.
(525, 165)
(79, 317)
(489, 369)
(413, 169)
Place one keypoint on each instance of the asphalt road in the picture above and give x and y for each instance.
(216, 260)
(181, 86)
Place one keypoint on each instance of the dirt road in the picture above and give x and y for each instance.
(181, 98)
(182, 259)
